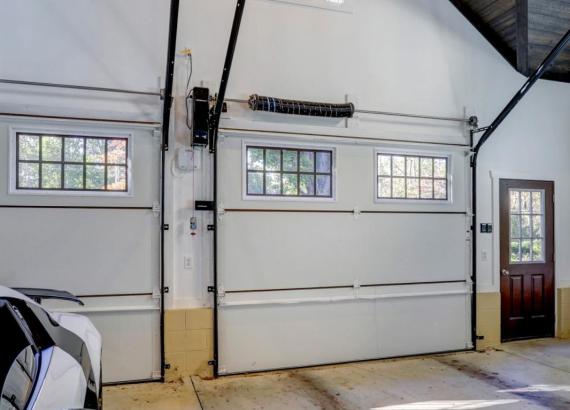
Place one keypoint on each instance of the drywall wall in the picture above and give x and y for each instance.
(395, 55)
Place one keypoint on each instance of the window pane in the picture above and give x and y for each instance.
(440, 189)
(51, 148)
(426, 166)
(515, 226)
(95, 177)
(73, 176)
(537, 226)
(306, 161)
(289, 160)
(537, 250)
(399, 187)
(537, 202)
(398, 166)
(384, 165)
(116, 178)
(51, 176)
(412, 167)
(525, 250)
(273, 159)
(515, 251)
(117, 151)
(440, 168)
(426, 188)
(307, 184)
(525, 202)
(255, 158)
(515, 202)
(29, 147)
(95, 150)
(525, 226)
(273, 183)
(413, 188)
(323, 185)
(255, 183)
(28, 175)
(324, 162)
(290, 184)
(385, 187)
(73, 149)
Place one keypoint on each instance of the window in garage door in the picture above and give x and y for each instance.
(408, 176)
(287, 171)
(70, 163)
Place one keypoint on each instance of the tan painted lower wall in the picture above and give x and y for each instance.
(488, 319)
(188, 342)
(563, 311)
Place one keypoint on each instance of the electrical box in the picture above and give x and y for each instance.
(200, 115)
(486, 228)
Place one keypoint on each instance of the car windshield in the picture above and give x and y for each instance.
(18, 362)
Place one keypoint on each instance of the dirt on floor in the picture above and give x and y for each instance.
(521, 375)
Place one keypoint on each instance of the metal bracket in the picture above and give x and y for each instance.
(473, 121)
(204, 205)
(165, 227)
(211, 362)
(211, 289)
(211, 227)
(167, 366)
(356, 212)
(156, 209)
(480, 337)
(165, 289)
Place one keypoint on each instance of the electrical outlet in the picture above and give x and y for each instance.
(187, 262)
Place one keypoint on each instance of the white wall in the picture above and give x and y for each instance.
(417, 56)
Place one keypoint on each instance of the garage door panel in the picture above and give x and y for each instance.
(283, 250)
(82, 251)
(326, 326)
(295, 335)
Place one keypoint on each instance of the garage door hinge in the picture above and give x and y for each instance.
(156, 208)
(165, 227)
(167, 366)
(211, 227)
(211, 362)
(211, 289)
(480, 337)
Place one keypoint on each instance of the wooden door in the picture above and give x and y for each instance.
(527, 259)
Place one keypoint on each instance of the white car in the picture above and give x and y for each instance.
(48, 360)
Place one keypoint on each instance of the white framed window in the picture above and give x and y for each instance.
(412, 176)
(288, 172)
(51, 161)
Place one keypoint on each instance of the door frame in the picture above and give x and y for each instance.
(494, 284)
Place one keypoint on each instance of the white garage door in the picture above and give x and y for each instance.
(94, 234)
(340, 274)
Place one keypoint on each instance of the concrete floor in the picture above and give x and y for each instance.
(521, 375)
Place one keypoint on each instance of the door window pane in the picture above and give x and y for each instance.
(526, 226)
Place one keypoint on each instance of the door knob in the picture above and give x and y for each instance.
(505, 272)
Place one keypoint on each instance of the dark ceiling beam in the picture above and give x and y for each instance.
(522, 37)
(485, 29)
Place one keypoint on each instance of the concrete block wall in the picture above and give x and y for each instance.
(188, 342)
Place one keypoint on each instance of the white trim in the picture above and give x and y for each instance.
(343, 6)
(64, 130)
(333, 299)
(285, 145)
(412, 152)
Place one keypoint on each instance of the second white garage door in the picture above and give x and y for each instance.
(339, 274)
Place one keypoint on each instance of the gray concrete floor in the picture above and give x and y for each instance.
(520, 375)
